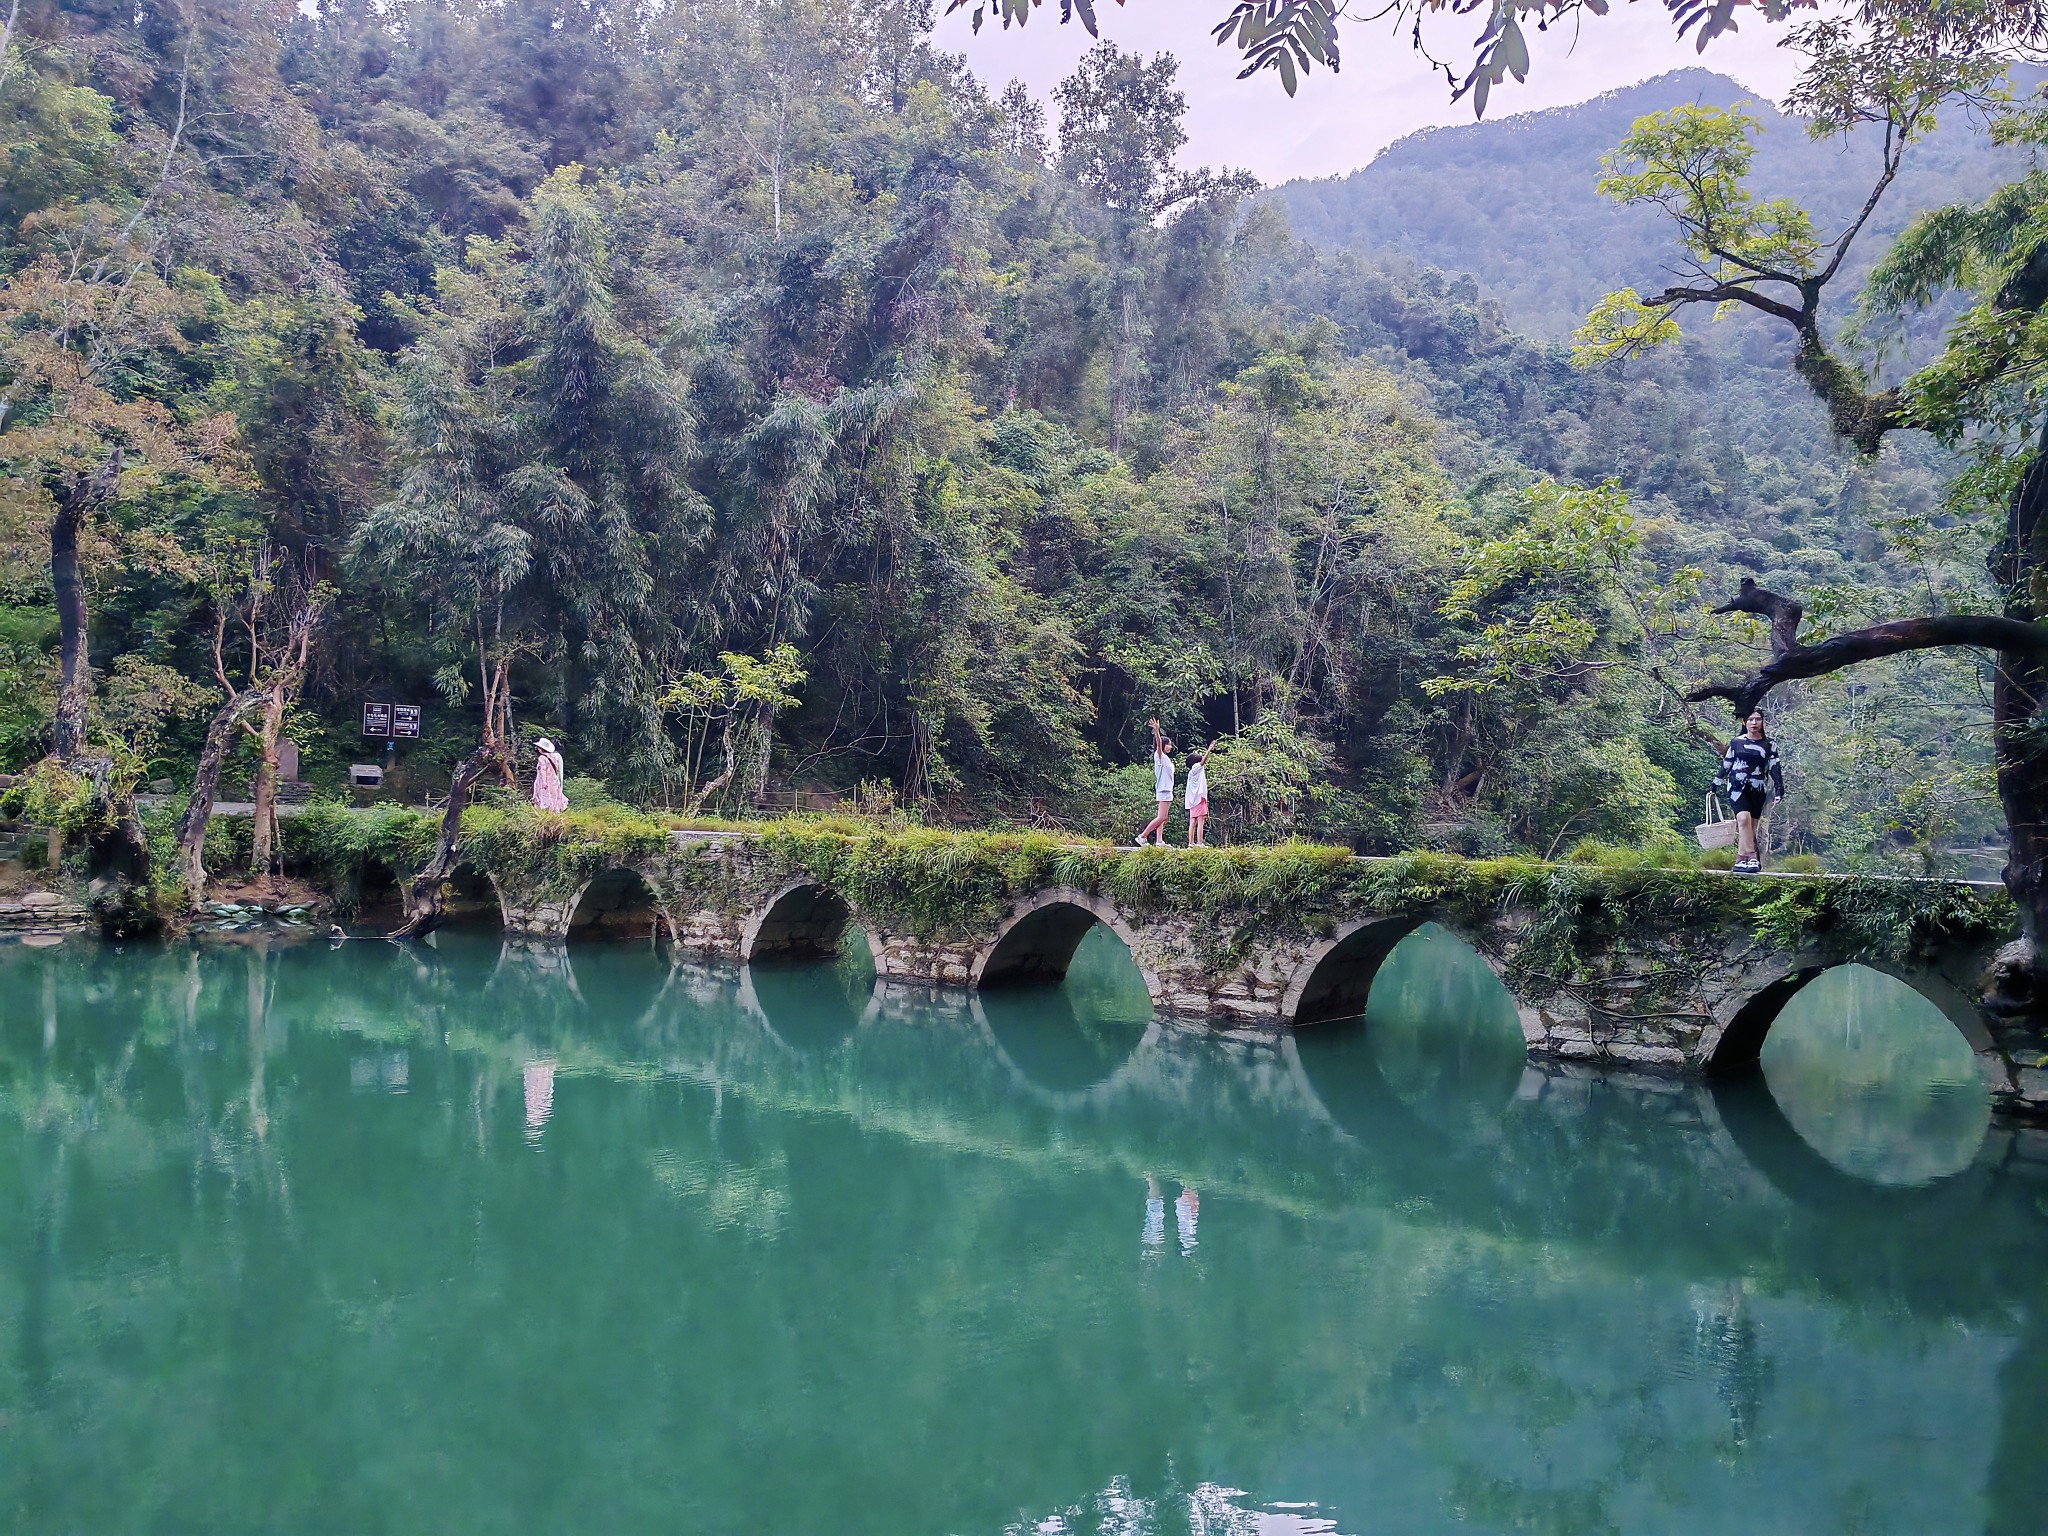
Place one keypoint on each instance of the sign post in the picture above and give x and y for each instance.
(405, 721)
(376, 719)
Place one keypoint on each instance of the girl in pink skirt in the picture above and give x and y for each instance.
(1197, 799)
(547, 777)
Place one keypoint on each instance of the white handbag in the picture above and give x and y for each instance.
(1718, 830)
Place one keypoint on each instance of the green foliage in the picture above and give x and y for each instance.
(769, 373)
(1692, 163)
(332, 842)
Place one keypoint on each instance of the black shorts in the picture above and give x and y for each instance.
(1753, 798)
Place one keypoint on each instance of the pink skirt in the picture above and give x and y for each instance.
(1200, 807)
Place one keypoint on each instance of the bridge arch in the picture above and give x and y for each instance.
(1334, 979)
(618, 903)
(471, 898)
(1732, 1046)
(1038, 936)
(378, 895)
(803, 920)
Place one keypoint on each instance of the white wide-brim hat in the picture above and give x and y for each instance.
(545, 745)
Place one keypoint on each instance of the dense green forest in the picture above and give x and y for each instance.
(748, 398)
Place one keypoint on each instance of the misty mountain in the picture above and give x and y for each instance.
(1512, 201)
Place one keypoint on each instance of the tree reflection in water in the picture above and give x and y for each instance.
(1876, 1080)
(1434, 1292)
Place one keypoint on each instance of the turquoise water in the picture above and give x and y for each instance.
(444, 1239)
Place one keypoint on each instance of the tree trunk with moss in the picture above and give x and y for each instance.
(76, 500)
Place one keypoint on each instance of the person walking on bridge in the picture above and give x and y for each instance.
(1197, 798)
(1750, 773)
(547, 777)
(1162, 785)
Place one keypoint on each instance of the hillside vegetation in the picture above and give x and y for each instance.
(1511, 201)
(749, 400)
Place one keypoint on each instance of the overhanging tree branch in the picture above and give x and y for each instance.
(1791, 661)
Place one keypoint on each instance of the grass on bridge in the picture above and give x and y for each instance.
(936, 878)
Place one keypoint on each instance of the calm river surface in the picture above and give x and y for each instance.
(443, 1240)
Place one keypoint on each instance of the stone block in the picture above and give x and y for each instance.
(1646, 1055)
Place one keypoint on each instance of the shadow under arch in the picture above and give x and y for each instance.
(1336, 977)
(470, 901)
(618, 905)
(376, 896)
(1036, 942)
(804, 921)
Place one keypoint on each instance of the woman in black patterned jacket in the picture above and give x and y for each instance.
(1750, 774)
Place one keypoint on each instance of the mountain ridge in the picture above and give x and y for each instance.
(1512, 202)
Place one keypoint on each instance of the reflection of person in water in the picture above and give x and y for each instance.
(1185, 1211)
(1726, 1337)
(1155, 1217)
(540, 1096)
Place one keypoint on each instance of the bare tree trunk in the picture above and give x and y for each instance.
(717, 786)
(220, 732)
(764, 746)
(67, 586)
(263, 845)
(427, 901)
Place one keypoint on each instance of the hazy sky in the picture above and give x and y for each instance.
(1336, 123)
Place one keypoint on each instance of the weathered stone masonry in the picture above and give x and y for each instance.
(1667, 994)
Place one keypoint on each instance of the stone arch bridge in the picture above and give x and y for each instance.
(1673, 971)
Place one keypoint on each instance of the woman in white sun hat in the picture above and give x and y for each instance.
(547, 777)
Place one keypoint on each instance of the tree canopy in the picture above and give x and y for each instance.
(750, 400)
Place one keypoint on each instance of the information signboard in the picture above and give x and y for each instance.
(405, 721)
(376, 719)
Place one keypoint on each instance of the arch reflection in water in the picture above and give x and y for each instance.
(812, 1009)
(1875, 1079)
(1075, 1036)
(1438, 1039)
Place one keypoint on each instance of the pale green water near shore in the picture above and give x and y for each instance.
(448, 1240)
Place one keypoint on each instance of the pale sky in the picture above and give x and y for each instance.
(1336, 123)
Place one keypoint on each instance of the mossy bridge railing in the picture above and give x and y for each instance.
(1677, 970)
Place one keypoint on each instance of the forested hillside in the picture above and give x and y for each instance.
(1512, 201)
(745, 397)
